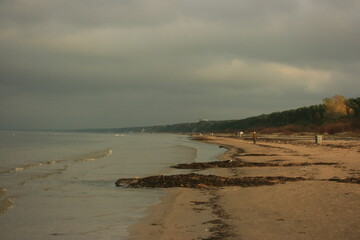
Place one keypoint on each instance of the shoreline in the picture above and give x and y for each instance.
(297, 210)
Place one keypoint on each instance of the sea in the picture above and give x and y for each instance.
(61, 185)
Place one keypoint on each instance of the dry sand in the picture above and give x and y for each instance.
(313, 209)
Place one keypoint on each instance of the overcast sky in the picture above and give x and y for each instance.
(68, 64)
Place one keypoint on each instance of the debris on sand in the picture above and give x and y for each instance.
(238, 164)
(346, 180)
(193, 180)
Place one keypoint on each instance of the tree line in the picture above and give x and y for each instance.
(312, 118)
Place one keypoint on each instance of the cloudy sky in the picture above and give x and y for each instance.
(68, 64)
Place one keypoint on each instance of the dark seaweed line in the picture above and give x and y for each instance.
(238, 164)
(194, 180)
(220, 229)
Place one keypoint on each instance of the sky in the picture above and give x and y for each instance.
(68, 64)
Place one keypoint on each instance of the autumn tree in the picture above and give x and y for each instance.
(336, 107)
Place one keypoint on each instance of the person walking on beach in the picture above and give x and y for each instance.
(254, 137)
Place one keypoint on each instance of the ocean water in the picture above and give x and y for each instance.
(56, 185)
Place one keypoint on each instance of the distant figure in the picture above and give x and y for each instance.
(254, 137)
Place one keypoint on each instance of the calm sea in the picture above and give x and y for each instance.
(62, 185)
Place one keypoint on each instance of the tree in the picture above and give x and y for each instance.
(354, 104)
(336, 107)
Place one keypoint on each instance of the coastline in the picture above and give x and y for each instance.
(316, 209)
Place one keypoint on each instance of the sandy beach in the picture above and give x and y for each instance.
(323, 206)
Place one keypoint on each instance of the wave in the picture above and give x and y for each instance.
(92, 156)
(6, 202)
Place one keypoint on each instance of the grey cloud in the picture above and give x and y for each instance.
(88, 13)
(121, 63)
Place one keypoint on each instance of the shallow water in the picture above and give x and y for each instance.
(61, 185)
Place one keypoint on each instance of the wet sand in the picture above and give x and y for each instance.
(313, 209)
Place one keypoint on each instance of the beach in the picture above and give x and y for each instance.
(324, 204)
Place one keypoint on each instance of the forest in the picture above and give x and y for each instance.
(334, 115)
